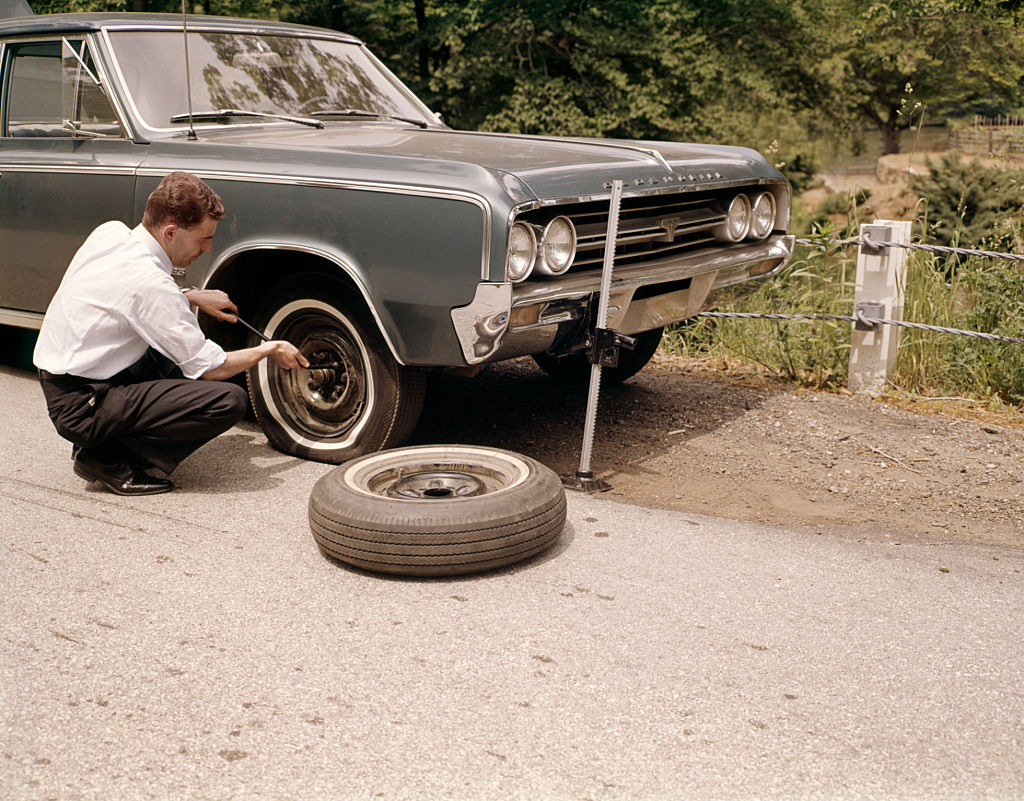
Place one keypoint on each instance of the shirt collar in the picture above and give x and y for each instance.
(141, 235)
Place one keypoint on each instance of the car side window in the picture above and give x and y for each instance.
(53, 93)
(34, 98)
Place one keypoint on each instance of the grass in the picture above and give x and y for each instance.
(977, 294)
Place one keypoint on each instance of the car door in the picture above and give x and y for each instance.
(66, 165)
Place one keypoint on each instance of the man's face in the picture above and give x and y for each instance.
(185, 245)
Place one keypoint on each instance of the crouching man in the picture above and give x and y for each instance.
(120, 351)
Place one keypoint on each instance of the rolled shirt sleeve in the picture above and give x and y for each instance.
(162, 317)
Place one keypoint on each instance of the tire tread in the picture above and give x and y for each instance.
(431, 537)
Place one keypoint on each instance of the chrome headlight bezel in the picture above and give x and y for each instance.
(762, 215)
(551, 261)
(520, 253)
(737, 220)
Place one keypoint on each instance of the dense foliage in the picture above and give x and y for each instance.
(771, 74)
(972, 204)
(894, 61)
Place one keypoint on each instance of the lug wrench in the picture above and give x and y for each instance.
(261, 335)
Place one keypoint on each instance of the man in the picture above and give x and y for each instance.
(119, 352)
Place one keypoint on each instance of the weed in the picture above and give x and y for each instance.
(978, 294)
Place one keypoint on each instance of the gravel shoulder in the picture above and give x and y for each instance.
(715, 439)
(688, 436)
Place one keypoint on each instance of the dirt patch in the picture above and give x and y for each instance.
(889, 193)
(684, 435)
(888, 199)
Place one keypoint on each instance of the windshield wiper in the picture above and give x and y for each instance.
(358, 112)
(225, 113)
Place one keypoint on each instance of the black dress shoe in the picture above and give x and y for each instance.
(122, 479)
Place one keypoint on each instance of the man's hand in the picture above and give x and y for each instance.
(213, 302)
(284, 353)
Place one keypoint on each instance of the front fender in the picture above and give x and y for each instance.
(222, 264)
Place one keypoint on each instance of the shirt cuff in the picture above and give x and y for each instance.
(210, 355)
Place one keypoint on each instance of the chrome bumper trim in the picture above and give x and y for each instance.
(481, 325)
(21, 319)
(484, 330)
(733, 263)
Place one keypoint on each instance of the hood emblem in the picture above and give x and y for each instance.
(667, 179)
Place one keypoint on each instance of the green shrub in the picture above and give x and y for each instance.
(978, 294)
(843, 202)
(971, 204)
(846, 207)
(818, 281)
(800, 170)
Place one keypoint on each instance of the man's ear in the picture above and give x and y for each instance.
(168, 230)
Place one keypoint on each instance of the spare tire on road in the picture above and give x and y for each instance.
(437, 510)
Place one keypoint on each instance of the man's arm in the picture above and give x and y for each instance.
(218, 305)
(214, 302)
(284, 353)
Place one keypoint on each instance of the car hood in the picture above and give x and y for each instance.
(529, 166)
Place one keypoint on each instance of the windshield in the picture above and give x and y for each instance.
(286, 75)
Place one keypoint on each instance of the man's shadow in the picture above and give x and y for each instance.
(240, 460)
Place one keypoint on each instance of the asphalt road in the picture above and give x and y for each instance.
(197, 645)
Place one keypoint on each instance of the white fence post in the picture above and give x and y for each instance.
(881, 279)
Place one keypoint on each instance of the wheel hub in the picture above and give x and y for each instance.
(437, 485)
(327, 387)
(330, 400)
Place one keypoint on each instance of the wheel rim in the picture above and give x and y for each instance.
(427, 483)
(436, 473)
(317, 405)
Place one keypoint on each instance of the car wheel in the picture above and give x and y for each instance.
(576, 367)
(364, 402)
(437, 510)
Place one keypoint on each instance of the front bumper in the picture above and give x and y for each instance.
(507, 320)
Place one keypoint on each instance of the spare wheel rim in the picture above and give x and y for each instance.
(436, 474)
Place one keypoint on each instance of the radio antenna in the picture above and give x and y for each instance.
(188, 77)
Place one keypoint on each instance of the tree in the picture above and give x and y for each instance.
(657, 69)
(888, 62)
(750, 72)
(265, 9)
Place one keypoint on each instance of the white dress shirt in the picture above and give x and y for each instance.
(116, 300)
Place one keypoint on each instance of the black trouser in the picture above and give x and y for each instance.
(148, 415)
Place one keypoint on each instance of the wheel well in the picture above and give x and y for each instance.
(250, 275)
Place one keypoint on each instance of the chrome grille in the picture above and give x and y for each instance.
(650, 226)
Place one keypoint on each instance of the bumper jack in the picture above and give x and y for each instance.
(604, 352)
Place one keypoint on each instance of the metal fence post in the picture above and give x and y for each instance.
(881, 279)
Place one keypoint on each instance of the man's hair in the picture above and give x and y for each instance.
(182, 199)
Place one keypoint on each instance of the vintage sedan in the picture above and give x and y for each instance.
(359, 226)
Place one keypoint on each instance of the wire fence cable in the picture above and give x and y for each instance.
(866, 241)
(871, 322)
(867, 321)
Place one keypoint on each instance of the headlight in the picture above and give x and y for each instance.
(522, 252)
(737, 221)
(762, 217)
(557, 247)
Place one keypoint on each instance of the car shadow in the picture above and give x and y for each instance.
(512, 405)
(16, 346)
(516, 406)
